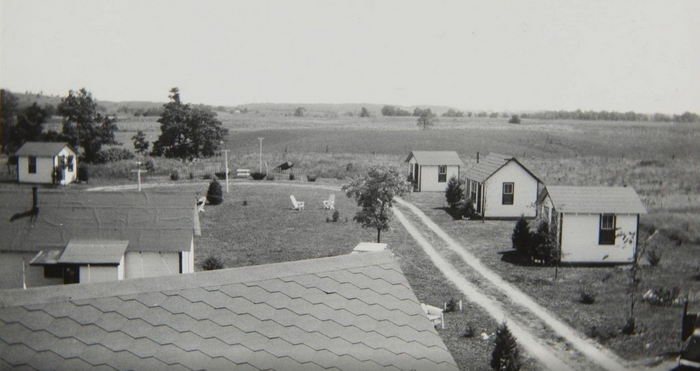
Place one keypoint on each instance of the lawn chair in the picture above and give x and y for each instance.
(330, 202)
(296, 205)
(200, 204)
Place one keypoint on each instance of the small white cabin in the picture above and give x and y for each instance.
(46, 162)
(502, 187)
(429, 171)
(593, 224)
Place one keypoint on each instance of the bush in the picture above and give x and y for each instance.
(629, 327)
(454, 192)
(336, 216)
(150, 165)
(543, 245)
(245, 202)
(505, 355)
(291, 176)
(469, 331)
(220, 174)
(521, 238)
(311, 178)
(602, 334)
(175, 175)
(468, 209)
(257, 175)
(212, 263)
(269, 177)
(207, 176)
(514, 119)
(191, 176)
(214, 195)
(450, 306)
(112, 155)
(653, 257)
(83, 174)
(586, 296)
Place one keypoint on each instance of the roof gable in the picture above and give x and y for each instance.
(42, 149)
(595, 200)
(151, 221)
(492, 163)
(352, 312)
(435, 158)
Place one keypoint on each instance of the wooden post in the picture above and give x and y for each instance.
(226, 161)
(138, 174)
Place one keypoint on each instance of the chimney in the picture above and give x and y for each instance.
(35, 200)
(477, 157)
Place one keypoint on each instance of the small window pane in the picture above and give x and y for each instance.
(32, 165)
(508, 190)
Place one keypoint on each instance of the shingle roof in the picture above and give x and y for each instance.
(436, 158)
(41, 149)
(570, 199)
(151, 221)
(489, 164)
(352, 312)
(93, 251)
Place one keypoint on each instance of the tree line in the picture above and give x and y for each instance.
(686, 117)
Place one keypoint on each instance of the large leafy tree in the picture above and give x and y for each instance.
(8, 107)
(83, 125)
(187, 132)
(374, 194)
(426, 118)
(28, 126)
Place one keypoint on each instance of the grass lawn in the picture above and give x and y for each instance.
(659, 326)
(266, 230)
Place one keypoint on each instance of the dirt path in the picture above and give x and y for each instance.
(592, 351)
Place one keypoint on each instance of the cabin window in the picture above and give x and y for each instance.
(70, 163)
(606, 234)
(53, 271)
(442, 173)
(508, 190)
(32, 165)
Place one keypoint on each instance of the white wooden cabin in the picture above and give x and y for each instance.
(593, 224)
(430, 171)
(47, 163)
(502, 187)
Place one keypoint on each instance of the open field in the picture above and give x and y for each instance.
(659, 325)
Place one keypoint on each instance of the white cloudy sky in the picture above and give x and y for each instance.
(517, 55)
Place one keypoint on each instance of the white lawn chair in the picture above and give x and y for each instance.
(330, 202)
(200, 204)
(296, 205)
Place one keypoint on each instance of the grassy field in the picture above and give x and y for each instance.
(659, 325)
(266, 230)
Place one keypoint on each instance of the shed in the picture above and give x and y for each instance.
(47, 163)
(500, 186)
(593, 224)
(430, 170)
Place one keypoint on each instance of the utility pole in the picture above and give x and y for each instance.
(260, 163)
(138, 173)
(226, 162)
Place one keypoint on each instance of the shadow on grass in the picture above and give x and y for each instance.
(456, 214)
(516, 258)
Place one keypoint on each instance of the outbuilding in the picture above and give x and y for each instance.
(429, 171)
(46, 162)
(500, 186)
(593, 224)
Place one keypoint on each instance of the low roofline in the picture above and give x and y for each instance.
(50, 294)
(506, 163)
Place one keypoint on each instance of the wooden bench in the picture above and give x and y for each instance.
(243, 173)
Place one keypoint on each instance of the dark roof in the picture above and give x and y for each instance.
(151, 220)
(93, 251)
(41, 149)
(351, 312)
(436, 158)
(490, 164)
(620, 200)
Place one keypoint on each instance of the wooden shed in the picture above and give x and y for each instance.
(429, 171)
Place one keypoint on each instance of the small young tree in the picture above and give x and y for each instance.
(364, 112)
(214, 195)
(140, 143)
(426, 119)
(212, 263)
(522, 239)
(514, 119)
(505, 355)
(299, 111)
(545, 247)
(454, 192)
(374, 194)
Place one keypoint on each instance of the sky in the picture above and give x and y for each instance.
(481, 55)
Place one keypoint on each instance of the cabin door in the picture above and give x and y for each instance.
(415, 177)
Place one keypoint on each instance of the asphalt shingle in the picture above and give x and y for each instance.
(436, 158)
(340, 312)
(616, 200)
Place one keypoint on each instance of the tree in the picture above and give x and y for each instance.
(187, 132)
(505, 355)
(514, 119)
(215, 195)
(140, 143)
(299, 111)
(454, 193)
(83, 125)
(545, 247)
(364, 112)
(468, 208)
(426, 119)
(28, 126)
(8, 107)
(374, 194)
(521, 238)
